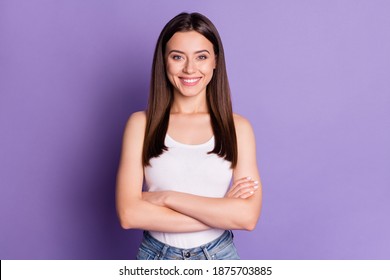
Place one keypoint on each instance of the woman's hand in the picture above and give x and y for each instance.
(243, 188)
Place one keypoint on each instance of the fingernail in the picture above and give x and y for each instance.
(248, 178)
(255, 187)
(256, 182)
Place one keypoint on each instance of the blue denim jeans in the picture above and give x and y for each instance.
(221, 248)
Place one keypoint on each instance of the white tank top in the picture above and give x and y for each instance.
(188, 168)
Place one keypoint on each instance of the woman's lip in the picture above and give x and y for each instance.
(190, 81)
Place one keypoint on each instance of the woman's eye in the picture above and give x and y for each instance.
(176, 57)
(202, 57)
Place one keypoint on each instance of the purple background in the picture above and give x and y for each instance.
(313, 77)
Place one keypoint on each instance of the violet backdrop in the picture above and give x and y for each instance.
(313, 77)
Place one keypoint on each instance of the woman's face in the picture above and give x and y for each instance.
(190, 62)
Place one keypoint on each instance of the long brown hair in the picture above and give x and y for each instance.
(161, 93)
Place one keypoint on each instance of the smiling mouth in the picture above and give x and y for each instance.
(190, 82)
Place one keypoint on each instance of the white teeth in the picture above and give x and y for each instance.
(190, 80)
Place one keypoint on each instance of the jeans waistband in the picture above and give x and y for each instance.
(207, 249)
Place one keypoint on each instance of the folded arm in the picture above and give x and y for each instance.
(225, 213)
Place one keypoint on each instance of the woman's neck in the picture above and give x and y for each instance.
(189, 105)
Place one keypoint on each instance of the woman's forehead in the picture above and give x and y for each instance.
(189, 42)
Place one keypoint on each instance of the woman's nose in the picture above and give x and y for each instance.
(189, 67)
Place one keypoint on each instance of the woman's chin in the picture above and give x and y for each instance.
(190, 92)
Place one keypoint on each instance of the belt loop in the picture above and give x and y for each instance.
(163, 252)
(206, 253)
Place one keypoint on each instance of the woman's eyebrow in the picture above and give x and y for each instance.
(177, 51)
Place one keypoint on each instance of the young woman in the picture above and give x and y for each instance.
(189, 147)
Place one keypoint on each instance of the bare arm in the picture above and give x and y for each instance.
(228, 212)
(133, 211)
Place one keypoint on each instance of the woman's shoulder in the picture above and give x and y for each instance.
(244, 130)
(241, 123)
(138, 116)
(137, 122)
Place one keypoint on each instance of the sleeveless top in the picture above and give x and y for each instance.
(188, 168)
